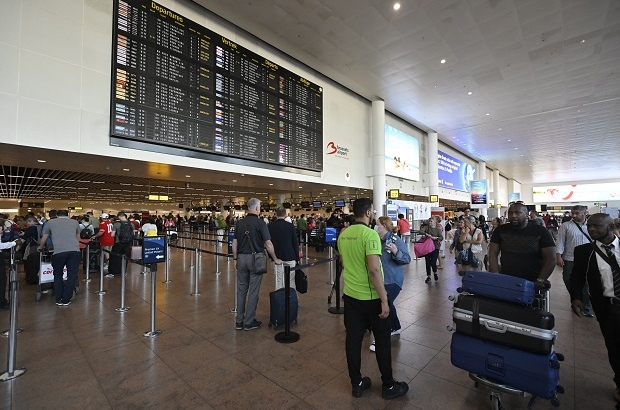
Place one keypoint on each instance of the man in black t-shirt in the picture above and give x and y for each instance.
(527, 250)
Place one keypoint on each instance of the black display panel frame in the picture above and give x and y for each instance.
(179, 88)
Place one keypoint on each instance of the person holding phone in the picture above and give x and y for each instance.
(395, 254)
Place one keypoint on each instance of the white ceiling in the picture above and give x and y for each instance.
(547, 72)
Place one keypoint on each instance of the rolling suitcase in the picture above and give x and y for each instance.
(498, 286)
(276, 307)
(521, 327)
(532, 373)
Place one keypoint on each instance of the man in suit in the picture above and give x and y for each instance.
(604, 281)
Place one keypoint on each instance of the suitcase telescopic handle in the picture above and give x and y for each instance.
(495, 327)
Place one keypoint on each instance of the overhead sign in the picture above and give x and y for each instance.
(154, 249)
(434, 198)
(454, 173)
(393, 193)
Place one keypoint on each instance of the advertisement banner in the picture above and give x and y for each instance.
(479, 192)
(453, 173)
(577, 193)
(402, 154)
(514, 196)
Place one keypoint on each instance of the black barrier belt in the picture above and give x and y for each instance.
(309, 265)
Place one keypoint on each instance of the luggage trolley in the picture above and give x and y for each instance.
(46, 275)
(495, 386)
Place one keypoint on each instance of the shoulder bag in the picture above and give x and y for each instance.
(301, 281)
(258, 258)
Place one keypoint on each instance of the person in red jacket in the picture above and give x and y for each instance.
(404, 228)
(106, 237)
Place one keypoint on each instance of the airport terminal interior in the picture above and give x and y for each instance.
(89, 356)
(524, 92)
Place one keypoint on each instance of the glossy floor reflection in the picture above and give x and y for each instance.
(88, 356)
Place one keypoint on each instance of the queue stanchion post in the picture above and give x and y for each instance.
(167, 268)
(101, 290)
(123, 308)
(331, 267)
(153, 333)
(87, 279)
(306, 245)
(196, 290)
(287, 336)
(337, 309)
(12, 372)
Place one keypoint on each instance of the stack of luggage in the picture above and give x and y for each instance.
(505, 334)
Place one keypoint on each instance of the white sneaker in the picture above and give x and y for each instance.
(372, 346)
(395, 332)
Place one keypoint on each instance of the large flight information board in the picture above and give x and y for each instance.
(180, 85)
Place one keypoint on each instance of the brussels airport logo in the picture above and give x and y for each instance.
(337, 150)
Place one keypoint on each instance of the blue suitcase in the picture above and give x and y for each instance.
(532, 373)
(277, 306)
(498, 286)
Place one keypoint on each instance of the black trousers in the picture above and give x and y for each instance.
(359, 316)
(610, 327)
(431, 262)
(3, 279)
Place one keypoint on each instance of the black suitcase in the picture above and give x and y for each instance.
(114, 263)
(277, 305)
(31, 266)
(522, 327)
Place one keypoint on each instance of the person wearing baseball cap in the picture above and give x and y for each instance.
(106, 237)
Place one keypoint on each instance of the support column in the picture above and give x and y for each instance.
(482, 174)
(433, 166)
(378, 155)
(496, 193)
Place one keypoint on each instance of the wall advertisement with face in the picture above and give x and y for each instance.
(577, 193)
(454, 173)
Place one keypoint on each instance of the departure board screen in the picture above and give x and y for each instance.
(177, 84)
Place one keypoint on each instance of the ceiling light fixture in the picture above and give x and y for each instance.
(41, 160)
(469, 93)
(125, 169)
(396, 6)
(188, 176)
(443, 61)
(487, 114)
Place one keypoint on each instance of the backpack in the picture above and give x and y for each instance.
(125, 232)
(10, 235)
(85, 232)
(448, 227)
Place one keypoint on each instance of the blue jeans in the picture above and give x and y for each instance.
(64, 290)
(567, 271)
(392, 293)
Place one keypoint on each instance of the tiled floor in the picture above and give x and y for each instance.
(88, 356)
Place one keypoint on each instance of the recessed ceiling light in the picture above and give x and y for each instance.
(234, 180)
(499, 129)
(396, 6)
(443, 61)
(487, 114)
(300, 187)
(583, 41)
(125, 169)
(270, 184)
(469, 93)
(41, 160)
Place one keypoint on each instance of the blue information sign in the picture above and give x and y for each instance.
(154, 249)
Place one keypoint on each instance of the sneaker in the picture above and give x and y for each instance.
(238, 325)
(436, 277)
(395, 332)
(58, 303)
(254, 325)
(372, 346)
(109, 275)
(428, 279)
(587, 312)
(65, 303)
(365, 384)
(398, 389)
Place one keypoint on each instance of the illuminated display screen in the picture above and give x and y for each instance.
(178, 85)
(402, 154)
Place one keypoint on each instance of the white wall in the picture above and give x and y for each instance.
(55, 88)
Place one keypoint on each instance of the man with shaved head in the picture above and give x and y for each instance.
(597, 263)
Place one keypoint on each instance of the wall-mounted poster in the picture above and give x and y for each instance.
(402, 154)
(454, 173)
(479, 192)
(514, 196)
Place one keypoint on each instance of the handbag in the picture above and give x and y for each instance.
(258, 258)
(301, 281)
(423, 246)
